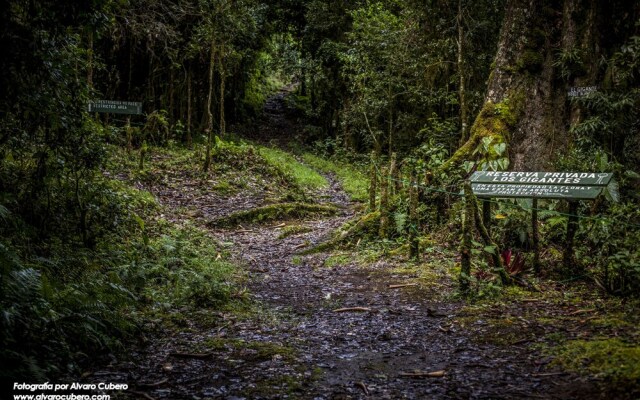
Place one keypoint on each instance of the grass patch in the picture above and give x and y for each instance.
(354, 181)
(336, 260)
(275, 212)
(223, 187)
(302, 175)
(259, 87)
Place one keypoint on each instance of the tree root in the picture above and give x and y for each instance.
(274, 212)
(368, 223)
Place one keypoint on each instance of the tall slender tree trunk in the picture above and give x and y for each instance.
(90, 60)
(373, 182)
(171, 113)
(207, 160)
(222, 83)
(131, 64)
(151, 93)
(461, 89)
(314, 90)
(189, 137)
(390, 117)
(303, 71)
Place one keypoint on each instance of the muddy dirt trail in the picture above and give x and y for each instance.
(330, 332)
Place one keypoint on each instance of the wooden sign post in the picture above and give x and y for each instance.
(571, 186)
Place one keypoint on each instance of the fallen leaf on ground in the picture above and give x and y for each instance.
(357, 309)
(424, 374)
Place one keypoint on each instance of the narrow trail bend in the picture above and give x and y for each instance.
(298, 346)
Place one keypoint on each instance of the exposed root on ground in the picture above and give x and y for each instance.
(366, 224)
(275, 212)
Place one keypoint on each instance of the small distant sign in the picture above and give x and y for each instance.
(581, 91)
(550, 185)
(116, 107)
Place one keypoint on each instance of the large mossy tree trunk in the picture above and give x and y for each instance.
(525, 103)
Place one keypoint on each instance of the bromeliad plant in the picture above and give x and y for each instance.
(515, 265)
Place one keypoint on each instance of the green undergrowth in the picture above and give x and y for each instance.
(238, 165)
(183, 267)
(64, 299)
(275, 212)
(353, 180)
(227, 188)
(434, 270)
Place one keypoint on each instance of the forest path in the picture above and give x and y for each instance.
(294, 344)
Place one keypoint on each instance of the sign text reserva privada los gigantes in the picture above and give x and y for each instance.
(559, 185)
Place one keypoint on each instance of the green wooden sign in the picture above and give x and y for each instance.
(550, 185)
(116, 107)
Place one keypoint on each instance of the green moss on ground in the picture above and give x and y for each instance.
(613, 360)
(289, 386)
